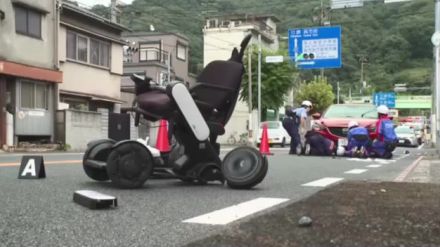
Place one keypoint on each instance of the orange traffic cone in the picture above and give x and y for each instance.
(162, 143)
(264, 144)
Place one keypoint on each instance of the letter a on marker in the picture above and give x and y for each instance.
(32, 167)
(29, 168)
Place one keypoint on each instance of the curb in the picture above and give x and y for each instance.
(402, 176)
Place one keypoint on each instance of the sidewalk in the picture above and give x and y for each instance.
(380, 214)
(427, 170)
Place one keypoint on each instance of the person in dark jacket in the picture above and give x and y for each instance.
(319, 145)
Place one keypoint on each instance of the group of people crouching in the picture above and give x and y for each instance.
(360, 141)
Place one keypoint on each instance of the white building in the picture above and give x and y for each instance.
(223, 33)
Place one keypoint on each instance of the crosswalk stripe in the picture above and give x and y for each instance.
(374, 166)
(356, 171)
(323, 182)
(235, 212)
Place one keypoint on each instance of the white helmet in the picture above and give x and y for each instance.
(306, 103)
(352, 124)
(383, 109)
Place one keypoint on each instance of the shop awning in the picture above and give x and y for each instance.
(30, 72)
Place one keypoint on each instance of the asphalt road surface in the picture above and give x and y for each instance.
(165, 212)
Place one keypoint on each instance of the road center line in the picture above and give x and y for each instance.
(374, 166)
(227, 215)
(52, 162)
(356, 171)
(323, 182)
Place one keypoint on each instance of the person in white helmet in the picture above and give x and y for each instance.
(358, 140)
(385, 136)
(299, 127)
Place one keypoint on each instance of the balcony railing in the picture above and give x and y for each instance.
(147, 55)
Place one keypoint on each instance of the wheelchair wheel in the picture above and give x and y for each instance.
(244, 167)
(95, 157)
(129, 165)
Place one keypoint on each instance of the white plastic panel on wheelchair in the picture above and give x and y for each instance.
(189, 109)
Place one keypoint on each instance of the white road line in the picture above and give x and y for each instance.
(227, 215)
(323, 182)
(356, 171)
(361, 160)
(383, 161)
(374, 166)
(402, 157)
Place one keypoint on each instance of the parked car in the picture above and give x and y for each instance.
(277, 135)
(407, 136)
(337, 117)
(418, 129)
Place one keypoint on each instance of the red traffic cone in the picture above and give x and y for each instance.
(162, 143)
(264, 144)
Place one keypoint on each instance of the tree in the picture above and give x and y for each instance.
(101, 10)
(276, 80)
(319, 92)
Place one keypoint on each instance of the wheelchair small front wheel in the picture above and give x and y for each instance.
(129, 165)
(244, 167)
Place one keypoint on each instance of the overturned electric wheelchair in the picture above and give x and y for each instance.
(197, 117)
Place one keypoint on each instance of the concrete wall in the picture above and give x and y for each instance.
(90, 80)
(82, 127)
(24, 49)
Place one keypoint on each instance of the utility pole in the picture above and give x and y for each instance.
(114, 11)
(321, 23)
(250, 134)
(337, 92)
(259, 81)
(436, 42)
(363, 60)
(349, 93)
(169, 67)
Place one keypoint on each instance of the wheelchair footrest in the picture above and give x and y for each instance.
(94, 200)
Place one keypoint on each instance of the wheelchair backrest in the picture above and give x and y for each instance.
(227, 74)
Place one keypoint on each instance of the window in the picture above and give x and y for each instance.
(34, 95)
(88, 50)
(149, 52)
(27, 22)
(82, 49)
(212, 23)
(181, 52)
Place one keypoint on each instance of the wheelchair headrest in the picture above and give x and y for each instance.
(238, 56)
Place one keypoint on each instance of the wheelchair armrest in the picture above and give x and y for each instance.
(143, 84)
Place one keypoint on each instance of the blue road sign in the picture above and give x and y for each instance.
(387, 98)
(316, 47)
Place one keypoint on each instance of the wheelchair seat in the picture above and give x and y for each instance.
(158, 103)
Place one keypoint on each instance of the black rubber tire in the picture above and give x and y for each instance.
(255, 164)
(129, 165)
(98, 150)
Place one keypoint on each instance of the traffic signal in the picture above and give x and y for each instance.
(309, 56)
(306, 56)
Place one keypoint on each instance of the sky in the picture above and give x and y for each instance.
(90, 3)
